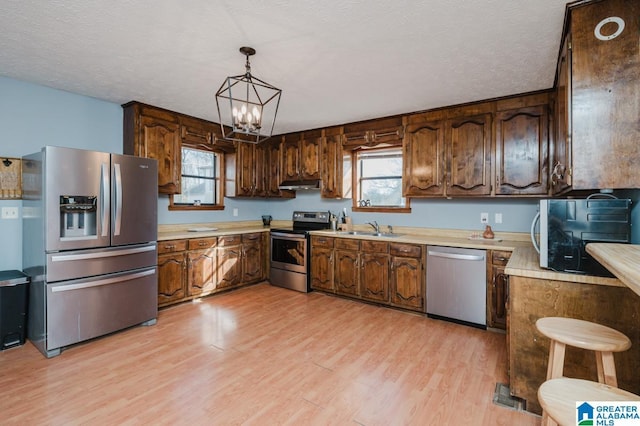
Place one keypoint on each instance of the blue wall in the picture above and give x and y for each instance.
(32, 116)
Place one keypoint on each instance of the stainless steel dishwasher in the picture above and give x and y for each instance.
(457, 285)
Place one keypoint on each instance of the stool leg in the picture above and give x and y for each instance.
(547, 421)
(556, 360)
(606, 368)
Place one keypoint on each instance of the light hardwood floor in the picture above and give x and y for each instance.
(264, 355)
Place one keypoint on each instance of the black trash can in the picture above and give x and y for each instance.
(13, 308)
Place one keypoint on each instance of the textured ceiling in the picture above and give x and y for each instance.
(336, 61)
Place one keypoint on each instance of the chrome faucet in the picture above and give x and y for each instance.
(390, 229)
(375, 226)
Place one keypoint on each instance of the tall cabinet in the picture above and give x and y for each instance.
(598, 85)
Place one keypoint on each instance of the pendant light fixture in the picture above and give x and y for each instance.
(247, 106)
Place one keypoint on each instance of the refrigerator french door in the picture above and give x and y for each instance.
(90, 231)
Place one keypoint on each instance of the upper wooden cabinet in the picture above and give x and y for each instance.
(423, 159)
(331, 166)
(468, 155)
(157, 133)
(301, 156)
(384, 131)
(560, 173)
(154, 133)
(602, 92)
(521, 151)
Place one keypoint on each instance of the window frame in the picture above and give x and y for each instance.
(355, 182)
(220, 179)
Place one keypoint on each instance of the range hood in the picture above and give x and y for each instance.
(299, 184)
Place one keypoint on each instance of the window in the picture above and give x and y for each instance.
(200, 179)
(378, 179)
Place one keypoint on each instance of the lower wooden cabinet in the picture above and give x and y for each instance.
(172, 271)
(347, 267)
(254, 268)
(497, 288)
(322, 263)
(202, 266)
(388, 273)
(407, 276)
(197, 267)
(374, 271)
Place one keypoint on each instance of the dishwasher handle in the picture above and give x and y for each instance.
(455, 255)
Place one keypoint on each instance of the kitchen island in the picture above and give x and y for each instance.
(535, 293)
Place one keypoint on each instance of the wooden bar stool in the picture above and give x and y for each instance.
(586, 335)
(558, 397)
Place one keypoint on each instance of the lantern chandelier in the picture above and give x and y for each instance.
(252, 105)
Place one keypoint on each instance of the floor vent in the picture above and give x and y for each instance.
(503, 398)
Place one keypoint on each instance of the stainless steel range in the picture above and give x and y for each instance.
(290, 250)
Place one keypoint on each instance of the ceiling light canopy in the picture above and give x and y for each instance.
(247, 106)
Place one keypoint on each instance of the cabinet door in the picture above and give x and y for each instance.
(497, 289)
(346, 272)
(160, 139)
(290, 158)
(202, 272)
(561, 161)
(423, 148)
(310, 157)
(322, 269)
(229, 266)
(331, 167)
(261, 164)
(253, 262)
(273, 172)
(374, 277)
(468, 148)
(171, 278)
(246, 169)
(521, 151)
(605, 93)
(196, 132)
(407, 283)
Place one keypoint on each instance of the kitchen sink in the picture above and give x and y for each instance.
(371, 234)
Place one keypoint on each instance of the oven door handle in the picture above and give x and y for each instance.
(290, 237)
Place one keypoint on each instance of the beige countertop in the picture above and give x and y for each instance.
(182, 231)
(623, 260)
(525, 262)
(440, 237)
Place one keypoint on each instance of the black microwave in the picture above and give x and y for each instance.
(568, 225)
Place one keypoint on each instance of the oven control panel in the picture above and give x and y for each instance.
(316, 217)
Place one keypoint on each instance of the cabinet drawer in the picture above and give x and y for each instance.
(406, 250)
(317, 241)
(344, 243)
(500, 257)
(375, 246)
(202, 243)
(171, 246)
(229, 240)
(256, 236)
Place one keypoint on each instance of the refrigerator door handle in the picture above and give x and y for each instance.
(118, 199)
(104, 196)
(99, 283)
(85, 256)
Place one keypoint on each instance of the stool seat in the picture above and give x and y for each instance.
(558, 397)
(583, 334)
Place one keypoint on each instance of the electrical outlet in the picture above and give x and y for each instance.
(9, 212)
(498, 218)
(484, 218)
(235, 212)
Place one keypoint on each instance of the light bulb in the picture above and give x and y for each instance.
(249, 117)
(244, 109)
(234, 111)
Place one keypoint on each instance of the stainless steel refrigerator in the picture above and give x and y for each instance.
(89, 244)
